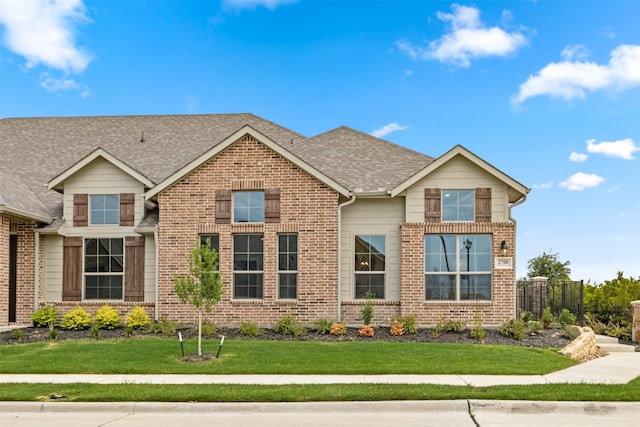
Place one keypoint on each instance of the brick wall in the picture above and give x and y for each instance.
(307, 207)
(429, 313)
(383, 312)
(25, 272)
(5, 225)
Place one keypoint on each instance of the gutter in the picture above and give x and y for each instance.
(157, 299)
(24, 214)
(36, 274)
(515, 233)
(351, 200)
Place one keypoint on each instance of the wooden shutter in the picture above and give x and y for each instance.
(72, 269)
(134, 268)
(272, 205)
(127, 208)
(223, 206)
(483, 204)
(80, 210)
(432, 205)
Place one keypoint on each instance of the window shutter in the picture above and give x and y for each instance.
(72, 269)
(223, 206)
(272, 205)
(483, 204)
(432, 205)
(127, 208)
(80, 210)
(134, 269)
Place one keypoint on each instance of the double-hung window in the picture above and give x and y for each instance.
(212, 241)
(248, 206)
(458, 267)
(287, 266)
(248, 263)
(103, 268)
(370, 263)
(458, 205)
(104, 209)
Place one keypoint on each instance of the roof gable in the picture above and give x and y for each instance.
(231, 139)
(56, 183)
(458, 150)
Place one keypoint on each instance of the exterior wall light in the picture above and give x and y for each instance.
(504, 247)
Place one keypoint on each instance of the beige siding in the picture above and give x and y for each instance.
(458, 174)
(52, 285)
(101, 177)
(149, 269)
(372, 217)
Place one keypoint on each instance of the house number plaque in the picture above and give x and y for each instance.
(503, 263)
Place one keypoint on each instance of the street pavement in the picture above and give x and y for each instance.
(616, 368)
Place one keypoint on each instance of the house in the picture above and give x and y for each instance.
(107, 209)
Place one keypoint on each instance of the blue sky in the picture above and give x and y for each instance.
(546, 91)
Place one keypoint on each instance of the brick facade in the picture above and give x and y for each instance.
(307, 207)
(492, 313)
(5, 227)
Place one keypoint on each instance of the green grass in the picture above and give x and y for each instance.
(308, 393)
(163, 356)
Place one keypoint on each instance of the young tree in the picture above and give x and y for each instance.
(550, 266)
(202, 287)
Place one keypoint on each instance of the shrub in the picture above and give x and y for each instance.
(45, 316)
(367, 310)
(322, 326)
(17, 334)
(477, 332)
(338, 328)
(435, 332)
(76, 319)
(513, 328)
(454, 326)
(366, 331)
(571, 332)
(534, 326)
(53, 334)
(137, 318)
(526, 316)
(566, 318)
(288, 325)
(249, 329)
(163, 327)
(547, 318)
(209, 328)
(408, 323)
(106, 318)
(397, 328)
(95, 332)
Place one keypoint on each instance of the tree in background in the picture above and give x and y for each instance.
(608, 302)
(549, 265)
(202, 287)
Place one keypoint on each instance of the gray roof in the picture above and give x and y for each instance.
(35, 150)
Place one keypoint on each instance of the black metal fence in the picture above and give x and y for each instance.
(534, 297)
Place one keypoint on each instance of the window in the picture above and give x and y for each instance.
(370, 266)
(458, 267)
(213, 241)
(458, 205)
(287, 266)
(105, 209)
(248, 206)
(247, 265)
(103, 268)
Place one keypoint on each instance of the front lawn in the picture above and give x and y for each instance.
(163, 356)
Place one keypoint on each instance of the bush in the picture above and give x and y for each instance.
(534, 326)
(367, 310)
(249, 329)
(477, 332)
(45, 316)
(566, 318)
(209, 328)
(163, 327)
(571, 332)
(137, 318)
(338, 328)
(288, 325)
(106, 318)
(322, 326)
(408, 323)
(366, 331)
(455, 326)
(513, 328)
(17, 334)
(76, 319)
(547, 318)
(397, 328)
(526, 316)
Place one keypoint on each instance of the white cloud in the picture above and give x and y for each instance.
(544, 186)
(581, 181)
(572, 79)
(574, 51)
(623, 149)
(387, 129)
(252, 4)
(578, 157)
(53, 84)
(43, 32)
(469, 39)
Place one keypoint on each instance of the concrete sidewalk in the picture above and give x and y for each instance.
(616, 368)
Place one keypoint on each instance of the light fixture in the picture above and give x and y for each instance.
(504, 247)
(467, 244)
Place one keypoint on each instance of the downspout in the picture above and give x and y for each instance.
(157, 290)
(36, 275)
(515, 233)
(351, 200)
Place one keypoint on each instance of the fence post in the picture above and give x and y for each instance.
(539, 291)
(635, 313)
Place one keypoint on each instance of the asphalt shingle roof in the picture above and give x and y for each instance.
(35, 150)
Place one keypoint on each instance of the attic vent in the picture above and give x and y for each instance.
(142, 138)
